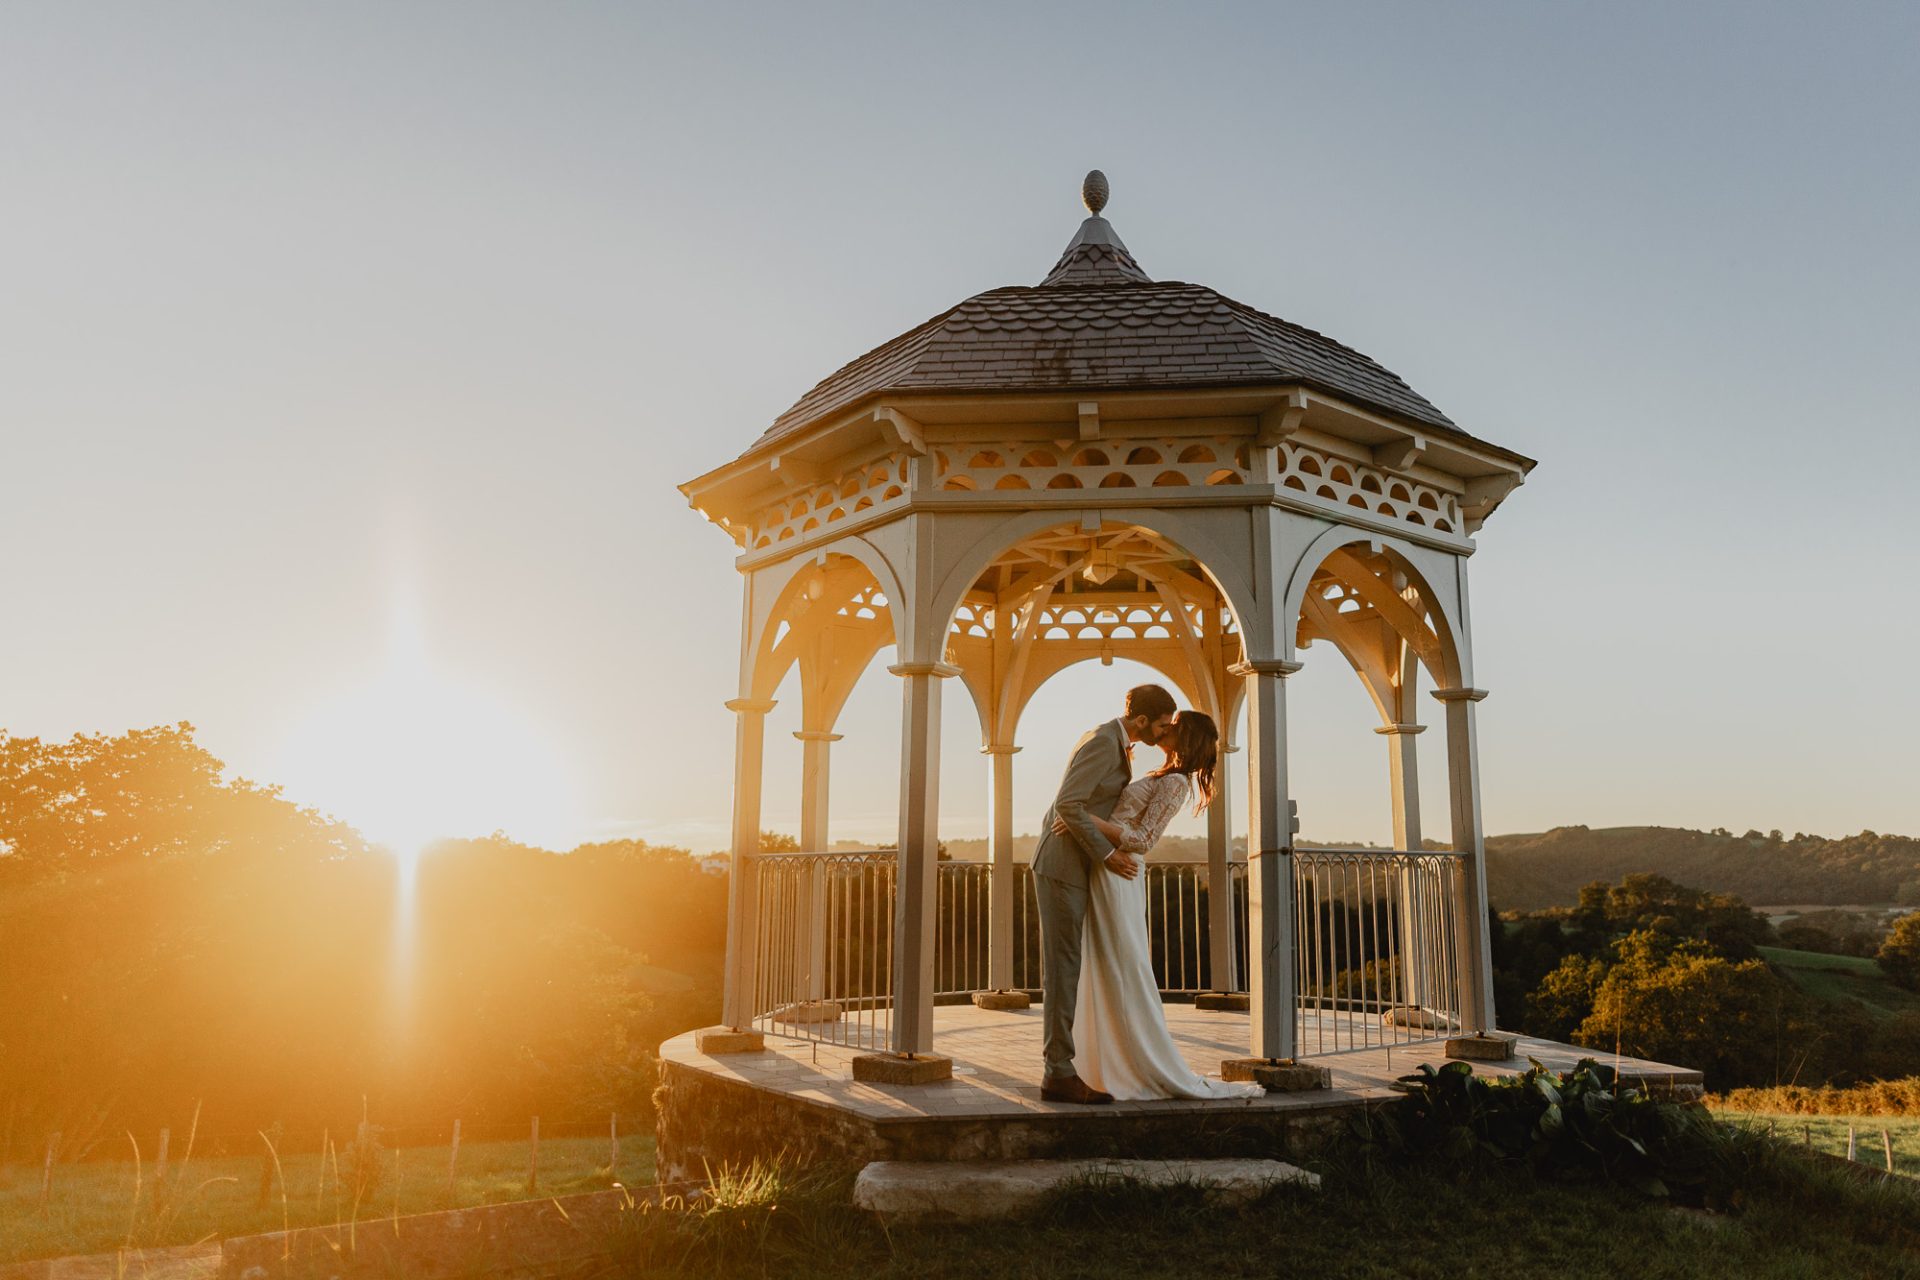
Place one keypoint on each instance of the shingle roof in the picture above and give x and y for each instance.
(1099, 323)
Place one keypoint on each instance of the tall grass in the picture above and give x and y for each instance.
(1874, 1098)
(99, 1206)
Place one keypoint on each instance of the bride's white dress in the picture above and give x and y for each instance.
(1120, 1030)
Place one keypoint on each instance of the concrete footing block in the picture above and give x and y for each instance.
(809, 1011)
(1277, 1075)
(1222, 1001)
(902, 1068)
(719, 1040)
(1485, 1046)
(999, 1189)
(1002, 1001)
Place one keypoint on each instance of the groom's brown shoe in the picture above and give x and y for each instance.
(1073, 1089)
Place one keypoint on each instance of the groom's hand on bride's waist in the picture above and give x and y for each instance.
(1122, 864)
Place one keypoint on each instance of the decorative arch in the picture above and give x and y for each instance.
(779, 582)
(1043, 603)
(830, 618)
(1433, 633)
(1230, 573)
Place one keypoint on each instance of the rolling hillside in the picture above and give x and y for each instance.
(1526, 872)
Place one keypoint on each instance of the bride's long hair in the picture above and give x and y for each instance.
(1192, 746)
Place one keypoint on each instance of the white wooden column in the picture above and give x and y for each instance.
(810, 943)
(1271, 991)
(816, 746)
(743, 906)
(917, 895)
(1220, 921)
(1000, 882)
(1403, 785)
(1475, 957)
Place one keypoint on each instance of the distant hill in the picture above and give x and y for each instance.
(1526, 872)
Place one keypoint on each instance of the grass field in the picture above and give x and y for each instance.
(1830, 977)
(1795, 1221)
(93, 1208)
(1829, 1134)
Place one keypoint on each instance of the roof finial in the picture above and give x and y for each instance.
(1093, 192)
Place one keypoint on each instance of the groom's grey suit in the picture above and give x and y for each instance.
(1097, 774)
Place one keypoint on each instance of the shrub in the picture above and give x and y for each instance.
(1579, 1124)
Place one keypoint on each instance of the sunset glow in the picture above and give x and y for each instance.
(417, 753)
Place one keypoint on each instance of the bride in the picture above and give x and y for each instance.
(1120, 1028)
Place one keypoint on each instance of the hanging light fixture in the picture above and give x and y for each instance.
(1102, 564)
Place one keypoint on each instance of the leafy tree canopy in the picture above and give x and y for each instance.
(1900, 953)
(100, 799)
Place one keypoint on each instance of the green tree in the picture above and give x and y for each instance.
(1682, 1003)
(1564, 998)
(98, 799)
(1900, 954)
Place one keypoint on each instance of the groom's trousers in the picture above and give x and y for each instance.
(1063, 914)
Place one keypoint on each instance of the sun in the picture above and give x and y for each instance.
(415, 754)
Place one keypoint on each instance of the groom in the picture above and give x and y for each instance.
(1061, 864)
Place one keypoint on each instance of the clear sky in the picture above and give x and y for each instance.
(349, 355)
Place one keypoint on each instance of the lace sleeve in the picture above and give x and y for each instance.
(1142, 831)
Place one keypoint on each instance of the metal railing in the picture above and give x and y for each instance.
(961, 958)
(1377, 937)
(1178, 912)
(1377, 947)
(823, 956)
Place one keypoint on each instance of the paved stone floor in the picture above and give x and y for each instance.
(996, 1066)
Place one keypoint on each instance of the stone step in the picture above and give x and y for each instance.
(975, 1190)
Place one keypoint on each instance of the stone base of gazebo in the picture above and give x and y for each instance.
(798, 1099)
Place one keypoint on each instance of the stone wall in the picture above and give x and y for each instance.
(707, 1121)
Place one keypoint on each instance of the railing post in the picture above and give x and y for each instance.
(1000, 876)
(1403, 771)
(916, 915)
(743, 905)
(1475, 961)
(1272, 999)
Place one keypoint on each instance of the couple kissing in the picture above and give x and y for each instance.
(1105, 1033)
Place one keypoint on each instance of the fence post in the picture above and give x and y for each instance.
(613, 1139)
(1886, 1144)
(46, 1175)
(533, 1166)
(453, 1156)
(1849, 1144)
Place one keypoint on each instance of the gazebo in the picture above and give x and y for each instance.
(1098, 466)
